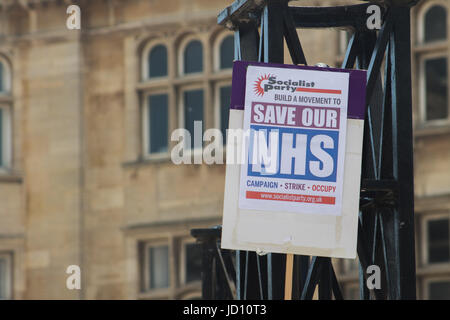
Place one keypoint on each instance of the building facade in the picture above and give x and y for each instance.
(86, 132)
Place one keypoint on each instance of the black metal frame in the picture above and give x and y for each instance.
(386, 220)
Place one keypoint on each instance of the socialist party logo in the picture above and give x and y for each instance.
(268, 82)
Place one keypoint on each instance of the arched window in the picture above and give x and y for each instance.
(155, 111)
(433, 75)
(193, 57)
(157, 62)
(435, 24)
(226, 52)
(222, 94)
(5, 76)
(2, 89)
(191, 93)
(5, 276)
(224, 56)
(5, 114)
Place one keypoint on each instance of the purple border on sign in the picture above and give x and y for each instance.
(356, 93)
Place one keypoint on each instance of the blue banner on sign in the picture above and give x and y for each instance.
(293, 153)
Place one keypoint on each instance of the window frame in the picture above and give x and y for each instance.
(9, 273)
(216, 49)
(176, 83)
(217, 114)
(146, 274)
(422, 58)
(146, 125)
(7, 78)
(6, 144)
(428, 280)
(183, 260)
(181, 50)
(428, 50)
(193, 151)
(6, 103)
(420, 38)
(424, 231)
(175, 240)
(145, 75)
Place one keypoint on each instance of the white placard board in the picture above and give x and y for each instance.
(294, 187)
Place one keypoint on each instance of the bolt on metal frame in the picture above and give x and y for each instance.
(386, 218)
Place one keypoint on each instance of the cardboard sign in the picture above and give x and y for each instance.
(296, 189)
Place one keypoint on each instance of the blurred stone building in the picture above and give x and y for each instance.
(86, 118)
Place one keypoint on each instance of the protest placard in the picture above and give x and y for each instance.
(297, 187)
